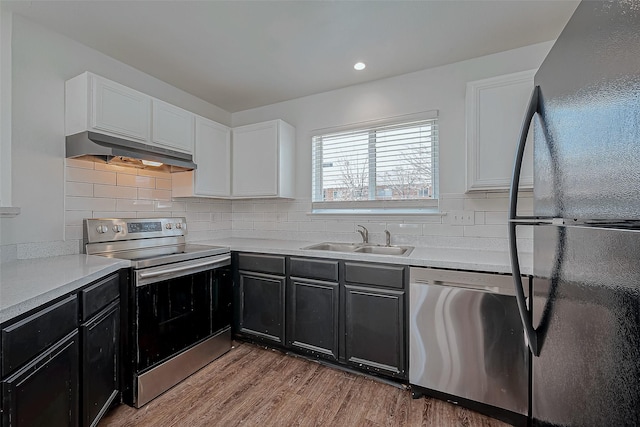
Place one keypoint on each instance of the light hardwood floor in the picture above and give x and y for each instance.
(253, 386)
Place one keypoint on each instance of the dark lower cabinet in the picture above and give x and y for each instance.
(375, 329)
(45, 391)
(261, 306)
(349, 312)
(313, 316)
(61, 362)
(100, 363)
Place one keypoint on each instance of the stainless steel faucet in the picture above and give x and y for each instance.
(364, 233)
(387, 235)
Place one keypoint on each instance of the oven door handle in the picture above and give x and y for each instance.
(213, 263)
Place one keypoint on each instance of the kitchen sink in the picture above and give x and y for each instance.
(336, 247)
(385, 250)
(363, 248)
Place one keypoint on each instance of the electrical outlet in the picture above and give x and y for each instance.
(461, 217)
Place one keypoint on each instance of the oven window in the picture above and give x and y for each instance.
(172, 315)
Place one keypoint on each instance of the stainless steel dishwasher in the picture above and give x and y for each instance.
(467, 340)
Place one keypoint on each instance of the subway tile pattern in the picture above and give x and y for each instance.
(98, 190)
(292, 219)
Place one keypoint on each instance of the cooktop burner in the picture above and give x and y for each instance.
(146, 242)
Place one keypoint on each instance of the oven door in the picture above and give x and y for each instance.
(178, 305)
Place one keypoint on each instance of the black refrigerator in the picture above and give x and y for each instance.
(582, 318)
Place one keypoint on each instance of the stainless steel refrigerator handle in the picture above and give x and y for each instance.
(525, 315)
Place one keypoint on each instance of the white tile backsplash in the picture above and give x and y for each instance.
(99, 190)
(170, 206)
(198, 207)
(293, 221)
(163, 184)
(136, 181)
(89, 204)
(412, 229)
(135, 205)
(442, 230)
(111, 191)
(487, 205)
(152, 194)
(80, 189)
(90, 176)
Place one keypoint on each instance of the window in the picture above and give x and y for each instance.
(394, 165)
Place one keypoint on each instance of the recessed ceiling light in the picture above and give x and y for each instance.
(360, 66)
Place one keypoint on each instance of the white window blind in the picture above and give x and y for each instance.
(381, 163)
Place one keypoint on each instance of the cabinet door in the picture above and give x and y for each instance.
(45, 391)
(100, 363)
(495, 109)
(172, 127)
(255, 160)
(312, 316)
(120, 110)
(213, 157)
(375, 329)
(261, 298)
(25, 339)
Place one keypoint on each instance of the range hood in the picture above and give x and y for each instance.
(108, 149)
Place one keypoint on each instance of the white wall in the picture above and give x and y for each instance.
(5, 107)
(443, 89)
(42, 62)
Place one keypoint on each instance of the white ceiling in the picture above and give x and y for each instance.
(239, 55)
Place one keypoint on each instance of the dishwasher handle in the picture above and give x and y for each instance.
(482, 282)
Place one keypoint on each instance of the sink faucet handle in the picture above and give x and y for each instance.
(387, 235)
(364, 233)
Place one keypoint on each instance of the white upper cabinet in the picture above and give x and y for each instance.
(263, 156)
(172, 126)
(98, 104)
(212, 154)
(494, 113)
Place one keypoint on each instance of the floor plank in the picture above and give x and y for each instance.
(254, 386)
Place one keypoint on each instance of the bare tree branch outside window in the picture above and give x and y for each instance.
(355, 179)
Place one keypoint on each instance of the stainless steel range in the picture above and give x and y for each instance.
(179, 303)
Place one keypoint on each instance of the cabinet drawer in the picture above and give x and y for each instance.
(272, 264)
(389, 276)
(314, 269)
(28, 337)
(98, 295)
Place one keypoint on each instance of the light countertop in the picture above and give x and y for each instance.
(27, 284)
(451, 258)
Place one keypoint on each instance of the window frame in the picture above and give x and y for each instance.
(373, 207)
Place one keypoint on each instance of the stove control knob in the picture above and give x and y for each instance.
(117, 228)
(178, 225)
(169, 226)
(102, 229)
